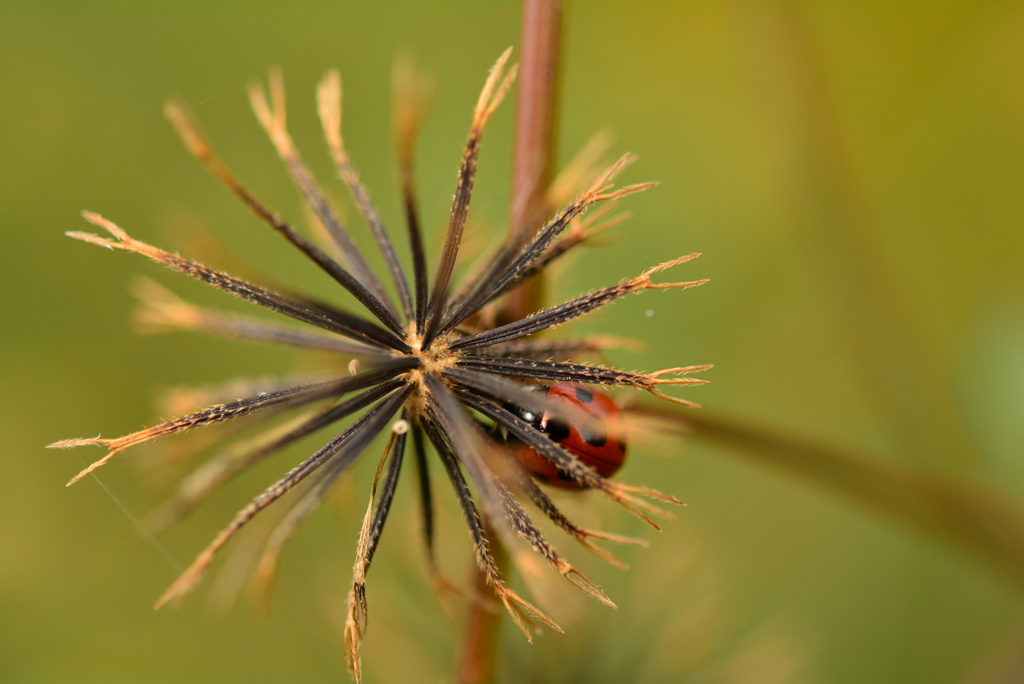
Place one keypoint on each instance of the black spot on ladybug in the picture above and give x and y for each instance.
(557, 429)
(564, 476)
(524, 413)
(583, 395)
(594, 435)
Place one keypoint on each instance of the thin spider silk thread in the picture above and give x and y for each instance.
(161, 550)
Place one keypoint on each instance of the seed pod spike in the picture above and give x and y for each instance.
(490, 97)
(521, 611)
(329, 95)
(369, 533)
(336, 321)
(411, 98)
(574, 308)
(272, 118)
(161, 310)
(345, 447)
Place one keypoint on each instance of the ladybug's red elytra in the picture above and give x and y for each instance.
(586, 438)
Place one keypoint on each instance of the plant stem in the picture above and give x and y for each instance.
(536, 135)
(533, 164)
(478, 658)
(970, 515)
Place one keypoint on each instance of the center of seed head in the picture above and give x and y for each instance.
(434, 360)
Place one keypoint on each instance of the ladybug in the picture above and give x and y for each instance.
(586, 438)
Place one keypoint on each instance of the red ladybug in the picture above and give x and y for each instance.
(587, 439)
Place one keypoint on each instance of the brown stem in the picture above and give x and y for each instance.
(536, 135)
(533, 166)
(478, 659)
(970, 515)
(896, 369)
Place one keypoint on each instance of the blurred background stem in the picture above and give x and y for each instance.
(478, 658)
(896, 370)
(973, 517)
(533, 164)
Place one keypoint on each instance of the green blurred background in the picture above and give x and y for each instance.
(853, 175)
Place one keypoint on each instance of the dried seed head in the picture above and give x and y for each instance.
(425, 363)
